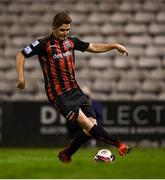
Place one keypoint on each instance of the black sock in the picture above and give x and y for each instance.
(101, 134)
(79, 140)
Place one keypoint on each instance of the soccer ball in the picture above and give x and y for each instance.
(105, 156)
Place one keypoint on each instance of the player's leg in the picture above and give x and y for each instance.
(81, 138)
(94, 130)
(90, 129)
(100, 134)
(92, 142)
(89, 126)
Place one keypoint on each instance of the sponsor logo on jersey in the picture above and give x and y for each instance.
(35, 43)
(61, 55)
(27, 50)
(52, 46)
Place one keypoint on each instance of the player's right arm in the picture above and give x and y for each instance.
(30, 50)
(20, 61)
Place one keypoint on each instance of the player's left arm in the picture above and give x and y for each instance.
(20, 61)
(99, 48)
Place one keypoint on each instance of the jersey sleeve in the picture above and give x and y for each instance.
(35, 48)
(80, 45)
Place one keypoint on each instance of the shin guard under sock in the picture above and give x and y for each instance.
(79, 140)
(101, 134)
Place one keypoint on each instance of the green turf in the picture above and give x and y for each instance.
(42, 163)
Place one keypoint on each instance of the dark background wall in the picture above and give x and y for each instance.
(39, 124)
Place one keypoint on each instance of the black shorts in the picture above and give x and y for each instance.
(69, 104)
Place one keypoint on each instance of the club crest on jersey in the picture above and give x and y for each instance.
(67, 43)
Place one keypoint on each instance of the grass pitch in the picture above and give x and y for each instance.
(43, 163)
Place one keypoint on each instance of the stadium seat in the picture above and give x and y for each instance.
(108, 30)
(151, 87)
(154, 51)
(160, 17)
(41, 30)
(32, 64)
(156, 75)
(153, 6)
(21, 96)
(139, 25)
(19, 30)
(149, 63)
(163, 62)
(85, 8)
(133, 28)
(77, 18)
(102, 86)
(39, 8)
(36, 74)
(17, 8)
(120, 18)
(10, 52)
(133, 75)
(82, 63)
(156, 29)
(136, 51)
(10, 76)
(144, 17)
(7, 19)
(30, 19)
(99, 62)
(130, 6)
(6, 88)
(127, 87)
(94, 38)
(109, 74)
(41, 96)
(159, 40)
(100, 18)
(7, 64)
(83, 74)
(87, 29)
(145, 96)
(140, 40)
(123, 63)
(17, 41)
(120, 97)
(103, 7)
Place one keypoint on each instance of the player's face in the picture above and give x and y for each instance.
(61, 33)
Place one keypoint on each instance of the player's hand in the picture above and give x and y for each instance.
(122, 49)
(21, 84)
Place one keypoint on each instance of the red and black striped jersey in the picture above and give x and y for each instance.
(57, 61)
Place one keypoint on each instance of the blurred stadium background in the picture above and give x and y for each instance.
(131, 89)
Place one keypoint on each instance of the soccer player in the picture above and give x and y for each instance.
(56, 56)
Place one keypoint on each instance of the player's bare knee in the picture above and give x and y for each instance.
(84, 121)
(93, 120)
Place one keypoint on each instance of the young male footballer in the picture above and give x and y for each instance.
(56, 56)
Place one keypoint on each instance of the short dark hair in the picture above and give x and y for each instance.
(61, 18)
